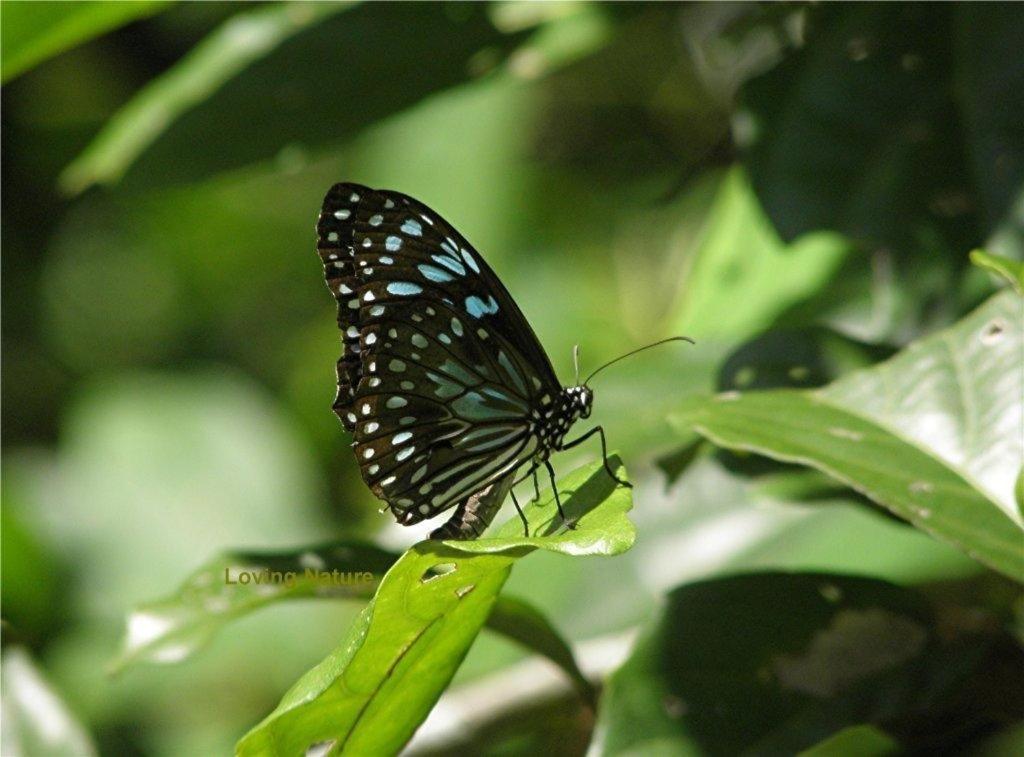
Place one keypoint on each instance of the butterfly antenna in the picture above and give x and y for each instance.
(576, 363)
(638, 349)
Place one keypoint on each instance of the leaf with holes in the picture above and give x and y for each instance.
(933, 434)
(372, 692)
(235, 584)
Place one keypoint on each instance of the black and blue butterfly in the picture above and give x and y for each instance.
(450, 396)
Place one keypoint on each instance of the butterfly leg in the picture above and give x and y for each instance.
(604, 452)
(536, 486)
(522, 517)
(558, 501)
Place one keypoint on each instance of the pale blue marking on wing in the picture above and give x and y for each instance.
(404, 288)
(446, 387)
(452, 265)
(470, 261)
(393, 243)
(412, 227)
(477, 308)
(434, 274)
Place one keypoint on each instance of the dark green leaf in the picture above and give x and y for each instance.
(795, 358)
(890, 124)
(233, 104)
(774, 663)
(243, 39)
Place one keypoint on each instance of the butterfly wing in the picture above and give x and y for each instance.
(441, 378)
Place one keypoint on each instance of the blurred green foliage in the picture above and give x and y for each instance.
(796, 186)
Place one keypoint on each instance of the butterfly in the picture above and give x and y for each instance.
(448, 392)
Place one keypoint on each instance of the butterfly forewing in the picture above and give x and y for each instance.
(441, 376)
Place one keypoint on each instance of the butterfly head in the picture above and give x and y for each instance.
(578, 400)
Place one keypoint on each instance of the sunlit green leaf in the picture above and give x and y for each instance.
(374, 690)
(33, 32)
(725, 292)
(932, 434)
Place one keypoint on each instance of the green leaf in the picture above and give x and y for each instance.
(724, 292)
(273, 66)
(37, 723)
(932, 434)
(373, 691)
(237, 583)
(1010, 271)
(241, 40)
(855, 741)
(773, 663)
(34, 32)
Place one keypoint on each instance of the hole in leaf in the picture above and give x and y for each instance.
(441, 569)
(993, 332)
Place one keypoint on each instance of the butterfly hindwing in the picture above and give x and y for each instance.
(441, 377)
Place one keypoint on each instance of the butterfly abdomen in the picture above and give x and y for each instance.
(475, 513)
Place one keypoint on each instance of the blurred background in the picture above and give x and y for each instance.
(795, 186)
